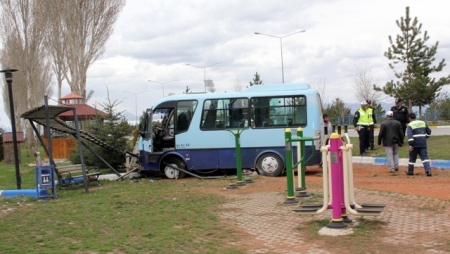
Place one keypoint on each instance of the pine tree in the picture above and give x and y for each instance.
(111, 129)
(256, 80)
(414, 62)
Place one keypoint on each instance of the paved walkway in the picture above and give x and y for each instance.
(445, 164)
(420, 224)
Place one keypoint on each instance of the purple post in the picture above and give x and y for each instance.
(336, 182)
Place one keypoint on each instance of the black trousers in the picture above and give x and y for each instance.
(364, 135)
(371, 137)
(404, 129)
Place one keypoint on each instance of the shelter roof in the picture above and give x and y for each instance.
(84, 111)
(8, 137)
(72, 96)
(39, 116)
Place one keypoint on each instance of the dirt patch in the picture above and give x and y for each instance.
(370, 177)
(416, 219)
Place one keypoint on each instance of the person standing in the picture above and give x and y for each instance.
(400, 113)
(361, 122)
(327, 129)
(392, 136)
(372, 125)
(418, 132)
(327, 124)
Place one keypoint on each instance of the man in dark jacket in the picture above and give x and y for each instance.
(418, 132)
(400, 113)
(392, 136)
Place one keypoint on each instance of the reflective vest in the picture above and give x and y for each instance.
(418, 132)
(369, 112)
(364, 118)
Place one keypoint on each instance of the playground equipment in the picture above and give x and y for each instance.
(237, 138)
(338, 191)
(301, 164)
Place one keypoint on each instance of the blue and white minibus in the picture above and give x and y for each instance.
(194, 133)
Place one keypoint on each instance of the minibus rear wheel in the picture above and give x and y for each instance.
(270, 164)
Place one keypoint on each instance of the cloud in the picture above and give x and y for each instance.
(155, 39)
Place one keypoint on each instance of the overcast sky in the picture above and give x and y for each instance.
(156, 39)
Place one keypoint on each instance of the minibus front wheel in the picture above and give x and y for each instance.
(270, 164)
(171, 168)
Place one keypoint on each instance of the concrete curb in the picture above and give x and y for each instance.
(445, 164)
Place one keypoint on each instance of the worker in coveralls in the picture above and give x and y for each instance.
(418, 132)
(361, 122)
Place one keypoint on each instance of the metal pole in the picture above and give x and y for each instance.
(135, 106)
(204, 78)
(301, 168)
(135, 102)
(290, 197)
(282, 66)
(80, 150)
(281, 47)
(162, 83)
(204, 71)
(8, 77)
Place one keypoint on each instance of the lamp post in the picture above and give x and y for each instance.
(8, 77)
(162, 83)
(204, 71)
(281, 47)
(135, 102)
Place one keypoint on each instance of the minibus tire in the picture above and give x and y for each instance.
(270, 164)
(172, 173)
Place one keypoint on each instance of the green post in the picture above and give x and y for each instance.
(302, 163)
(290, 197)
(237, 139)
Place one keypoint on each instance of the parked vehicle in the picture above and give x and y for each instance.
(194, 135)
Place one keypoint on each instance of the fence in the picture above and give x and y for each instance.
(61, 147)
(432, 117)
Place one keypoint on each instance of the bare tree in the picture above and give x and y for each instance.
(78, 33)
(363, 83)
(55, 42)
(11, 49)
(23, 28)
(321, 89)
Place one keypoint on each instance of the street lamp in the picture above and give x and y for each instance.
(135, 102)
(162, 83)
(281, 46)
(204, 71)
(8, 77)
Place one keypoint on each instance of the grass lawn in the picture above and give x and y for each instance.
(131, 216)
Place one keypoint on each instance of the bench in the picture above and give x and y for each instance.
(73, 174)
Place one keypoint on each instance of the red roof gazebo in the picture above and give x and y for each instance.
(84, 111)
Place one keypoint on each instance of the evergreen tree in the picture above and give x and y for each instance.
(378, 111)
(256, 80)
(111, 129)
(414, 62)
(338, 111)
(439, 109)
